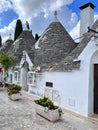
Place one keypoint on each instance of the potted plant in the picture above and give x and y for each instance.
(46, 108)
(14, 91)
(1, 86)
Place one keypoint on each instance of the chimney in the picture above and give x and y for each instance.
(87, 17)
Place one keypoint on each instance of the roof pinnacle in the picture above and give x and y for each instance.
(10, 36)
(55, 16)
(55, 13)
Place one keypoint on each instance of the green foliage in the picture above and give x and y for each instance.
(13, 89)
(18, 29)
(36, 37)
(46, 102)
(0, 41)
(5, 61)
(1, 85)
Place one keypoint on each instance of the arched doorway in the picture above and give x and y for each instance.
(24, 72)
(93, 83)
(96, 88)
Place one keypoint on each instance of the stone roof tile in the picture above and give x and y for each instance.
(54, 45)
(68, 62)
(25, 42)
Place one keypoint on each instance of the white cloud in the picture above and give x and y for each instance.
(26, 9)
(6, 31)
(5, 5)
(68, 18)
(75, 32)
(38, 13)
(95, 17)
(0, 22)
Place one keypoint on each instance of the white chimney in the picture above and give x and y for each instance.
(87, 17)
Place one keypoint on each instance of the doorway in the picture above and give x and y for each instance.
(96, 88)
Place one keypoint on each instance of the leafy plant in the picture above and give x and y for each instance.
(13, 89)
(46, 102)
(37, 36)
(18, 29)
(1, 85)
(5, 61)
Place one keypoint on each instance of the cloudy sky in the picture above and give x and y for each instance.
(39, 14)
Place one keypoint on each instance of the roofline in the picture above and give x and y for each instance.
(87, 5)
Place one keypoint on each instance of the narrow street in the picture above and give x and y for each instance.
(20, 115)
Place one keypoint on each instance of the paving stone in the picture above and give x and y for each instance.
(20, 115)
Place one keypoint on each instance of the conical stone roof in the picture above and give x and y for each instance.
(54, 45)
(25, 42)
(6, 46)
(70, 62)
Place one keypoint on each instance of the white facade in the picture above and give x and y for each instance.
(75, 87)
(87, 19)
(73, 90)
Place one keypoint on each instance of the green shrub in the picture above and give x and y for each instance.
(46, 102)
(13, 89)
(1, 85)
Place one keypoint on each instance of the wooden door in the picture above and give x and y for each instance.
(96, 88)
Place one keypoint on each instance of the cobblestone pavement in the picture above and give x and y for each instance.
(20, 115)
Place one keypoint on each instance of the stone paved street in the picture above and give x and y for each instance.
(20, 115)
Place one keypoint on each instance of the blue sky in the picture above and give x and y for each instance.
(39, 14)
(77, 3)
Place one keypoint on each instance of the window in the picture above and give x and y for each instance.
(17, 76)
(49, 84)
(11, 78)
(31, 78)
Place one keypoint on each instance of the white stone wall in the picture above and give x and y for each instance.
(72, 89)
(75, 87)
(86, 20)
(10, 72)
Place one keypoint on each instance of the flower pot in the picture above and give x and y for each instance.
(51, 115)
(16, 96)
(2, 88)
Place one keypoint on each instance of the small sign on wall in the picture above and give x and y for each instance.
(49, 84)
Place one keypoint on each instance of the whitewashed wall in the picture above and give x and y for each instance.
(71, 87)
(75, 87)
(10, 72)
(87, 19)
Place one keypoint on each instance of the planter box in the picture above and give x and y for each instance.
(15, 96)
(2, 88)
(51, 115)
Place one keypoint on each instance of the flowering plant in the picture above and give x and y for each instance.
(48, 104)
(13, 89)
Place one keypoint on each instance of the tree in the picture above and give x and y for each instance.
(0, 41)
(36, 37)
(18, 29)
(5, 61)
